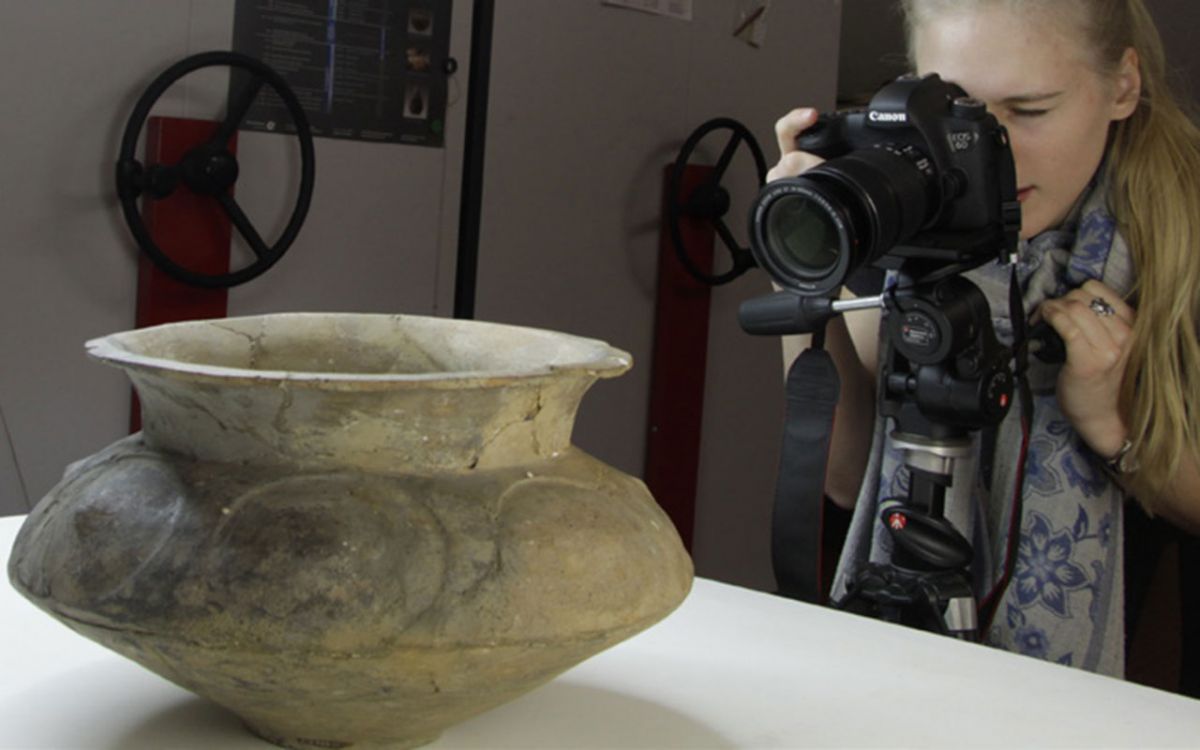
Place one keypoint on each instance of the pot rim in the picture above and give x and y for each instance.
(605, 361)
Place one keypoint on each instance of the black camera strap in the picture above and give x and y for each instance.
(813, 386)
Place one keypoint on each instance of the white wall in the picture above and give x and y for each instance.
(1177, 23)
(872, 47)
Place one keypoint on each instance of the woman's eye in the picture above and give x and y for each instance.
(1024, 112)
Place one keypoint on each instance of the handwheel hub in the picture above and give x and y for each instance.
(210, 171)
(708, 201)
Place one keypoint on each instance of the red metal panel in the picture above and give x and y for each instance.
(192, 229)
(677, 367)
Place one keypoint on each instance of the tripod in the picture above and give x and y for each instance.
(946, 376)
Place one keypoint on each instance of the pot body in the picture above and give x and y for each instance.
(352, 561)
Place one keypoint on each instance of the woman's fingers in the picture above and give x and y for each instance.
(1093, 290)
(1094, 322)
(788, 127)
(792, 164)
(791, 161)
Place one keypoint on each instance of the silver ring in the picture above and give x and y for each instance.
(1101, 308)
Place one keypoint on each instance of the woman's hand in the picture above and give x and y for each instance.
(791, 160)
(1097, 328)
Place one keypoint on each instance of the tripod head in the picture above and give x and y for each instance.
(946, 373)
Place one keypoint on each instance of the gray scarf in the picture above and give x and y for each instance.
(1065, 601)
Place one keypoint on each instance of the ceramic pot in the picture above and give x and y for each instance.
(353, 530)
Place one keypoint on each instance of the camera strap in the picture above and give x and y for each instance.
(813, 386)
(1016, 307)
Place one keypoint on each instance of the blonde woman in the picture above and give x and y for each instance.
(1108, 174)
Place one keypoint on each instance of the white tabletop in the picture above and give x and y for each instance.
(730, 668)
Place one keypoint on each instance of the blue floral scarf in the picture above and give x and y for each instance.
(1065, 600)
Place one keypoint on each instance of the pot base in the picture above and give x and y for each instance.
(310, 743)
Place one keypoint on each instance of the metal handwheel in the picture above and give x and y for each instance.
(710, 201)
(210, 169)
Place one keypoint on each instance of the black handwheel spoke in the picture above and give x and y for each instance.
(743, 260)
(726, 235)
(244, 227)
(238, 108)
(731, 148)
(160, 180)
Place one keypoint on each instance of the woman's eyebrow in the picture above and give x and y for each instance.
(1032, 98)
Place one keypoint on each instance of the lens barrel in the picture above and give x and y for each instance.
(810, 232)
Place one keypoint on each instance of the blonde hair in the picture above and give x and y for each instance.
(1153, 164)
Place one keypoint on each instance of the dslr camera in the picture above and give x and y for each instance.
(924, 172)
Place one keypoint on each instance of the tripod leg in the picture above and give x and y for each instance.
(961, 618)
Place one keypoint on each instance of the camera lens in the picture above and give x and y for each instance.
(810, 232)
(805, 235)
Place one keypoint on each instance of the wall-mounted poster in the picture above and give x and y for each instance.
(372, 70)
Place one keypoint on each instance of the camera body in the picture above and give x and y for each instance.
(929, 119)
(923, 172)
